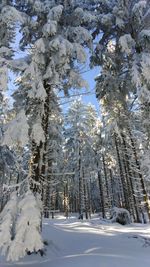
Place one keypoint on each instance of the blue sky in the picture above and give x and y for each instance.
(87, 95)
(89, 76)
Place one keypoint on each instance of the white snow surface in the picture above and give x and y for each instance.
(91, 243)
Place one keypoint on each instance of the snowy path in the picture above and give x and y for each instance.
(90, 244)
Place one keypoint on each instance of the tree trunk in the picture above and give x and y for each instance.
(66, 200)
(81, 187)
(126, 204)
(39, 152)
(35, 167)
(112, 189)
(101, 191)
(85, 197)
(106, 181)
(89, 200)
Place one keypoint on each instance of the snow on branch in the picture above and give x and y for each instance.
(17, 131)
(11, 14)
(3, 76)
(127, 43)
(50, 28)
(37, 133)
(55, 13)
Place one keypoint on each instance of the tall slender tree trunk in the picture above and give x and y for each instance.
(89, 200)
(2, 177)
(106, 181)
(112, 188)
(85, 196)
(35, 166)
(66, 200)
(126, 204)
(100, 183)
(81, 186)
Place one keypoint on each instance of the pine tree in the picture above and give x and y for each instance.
(51, 65)
(79, 133)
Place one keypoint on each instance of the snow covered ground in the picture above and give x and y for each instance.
(92, 243)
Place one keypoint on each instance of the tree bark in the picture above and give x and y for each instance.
(81, 187)
(126, 204)
(106, 181)
(85, 197)
(101, 192)
(66, 200)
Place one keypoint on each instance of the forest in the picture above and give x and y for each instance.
(59, 155)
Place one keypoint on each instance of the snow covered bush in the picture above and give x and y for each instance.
(20, 226)
(27, 226)
(7, 218)
(120, 215)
